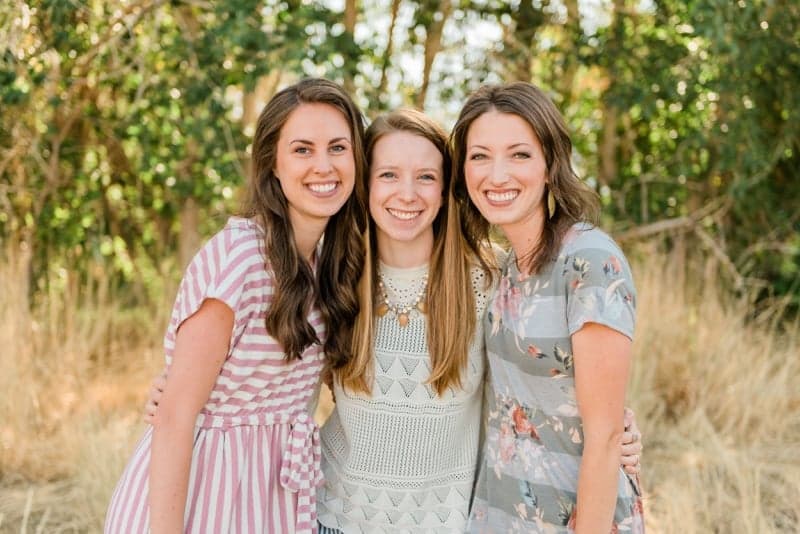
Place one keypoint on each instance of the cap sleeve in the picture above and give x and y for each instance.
(217, 271)
(599, 287)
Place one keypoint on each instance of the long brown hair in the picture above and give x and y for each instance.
(450, 298)
(574, 200)
(341, 257)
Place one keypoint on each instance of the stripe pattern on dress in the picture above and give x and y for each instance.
(255, 459)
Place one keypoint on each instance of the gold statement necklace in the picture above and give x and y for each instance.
(399, 310)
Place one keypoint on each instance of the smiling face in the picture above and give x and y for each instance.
(405, 195)
(315, 164)
(506, 171)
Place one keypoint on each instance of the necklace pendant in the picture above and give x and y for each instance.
(402, 319)
(382, 310)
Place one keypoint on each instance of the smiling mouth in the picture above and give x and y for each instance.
(506, 196)
(323, 188)
(403, 215)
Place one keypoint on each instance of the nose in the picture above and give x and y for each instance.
(499, 172)
(323, 165)
(408, 189)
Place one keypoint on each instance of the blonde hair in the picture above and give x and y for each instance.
(450, 298)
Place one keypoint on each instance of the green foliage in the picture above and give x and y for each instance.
(114, 115)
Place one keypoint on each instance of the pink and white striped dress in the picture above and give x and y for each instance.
(255, 461)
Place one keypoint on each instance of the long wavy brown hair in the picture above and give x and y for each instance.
(574, 200)
(450, 298)
(342, 253)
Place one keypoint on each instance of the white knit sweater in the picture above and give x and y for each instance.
(404, 459)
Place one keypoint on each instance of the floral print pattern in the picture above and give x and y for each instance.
(534, 438)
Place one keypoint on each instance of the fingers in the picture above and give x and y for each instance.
(631, 443)
(628, 418)
(631, 436)
(631, 464)
(633, 469)
(159, 382)
(154, 396)
(631, 459)
(632, 451)
(149, 411)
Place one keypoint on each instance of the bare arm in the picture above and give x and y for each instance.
(602, 364)
(200, 349)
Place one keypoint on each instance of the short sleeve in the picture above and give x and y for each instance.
(599, 287)
(217, 271)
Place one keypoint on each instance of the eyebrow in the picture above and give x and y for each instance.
(395, 167)
(332, 141)
(515, 145)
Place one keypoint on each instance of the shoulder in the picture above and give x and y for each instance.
(239, 230)
(590, 257)
(243, 239)
(584, 236)
(237, 244)
(589, 243)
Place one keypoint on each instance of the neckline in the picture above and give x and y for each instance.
(405, 273)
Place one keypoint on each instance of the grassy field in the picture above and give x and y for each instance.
(717, 393)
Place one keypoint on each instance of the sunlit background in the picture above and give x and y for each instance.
(124, 135)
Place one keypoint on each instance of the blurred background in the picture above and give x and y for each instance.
(125, 128)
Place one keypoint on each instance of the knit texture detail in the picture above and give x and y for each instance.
(404, 459)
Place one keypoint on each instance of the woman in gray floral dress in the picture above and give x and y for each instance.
(558, 330)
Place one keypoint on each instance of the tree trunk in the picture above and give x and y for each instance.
(387, 54)
(189, 239)
(608, 166)
(253, 102)
(433, 45)
(608, 145)
(350, 14)
(572, 33)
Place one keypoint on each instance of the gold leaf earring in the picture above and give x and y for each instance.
(551, 203)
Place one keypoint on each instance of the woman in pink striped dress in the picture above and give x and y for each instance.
(233, 447)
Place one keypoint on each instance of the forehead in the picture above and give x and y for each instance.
(316, 121)
(405, 148)
(497, 126)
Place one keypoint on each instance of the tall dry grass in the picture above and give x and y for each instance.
(715, 389)
(73, 370)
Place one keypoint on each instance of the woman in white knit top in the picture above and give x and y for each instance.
(400, 450)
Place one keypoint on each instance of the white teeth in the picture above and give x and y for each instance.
(322, 188)
(501, 197)
(405, 215)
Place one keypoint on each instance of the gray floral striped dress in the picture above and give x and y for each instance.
(528, 476)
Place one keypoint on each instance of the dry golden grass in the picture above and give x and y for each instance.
(716, 393)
